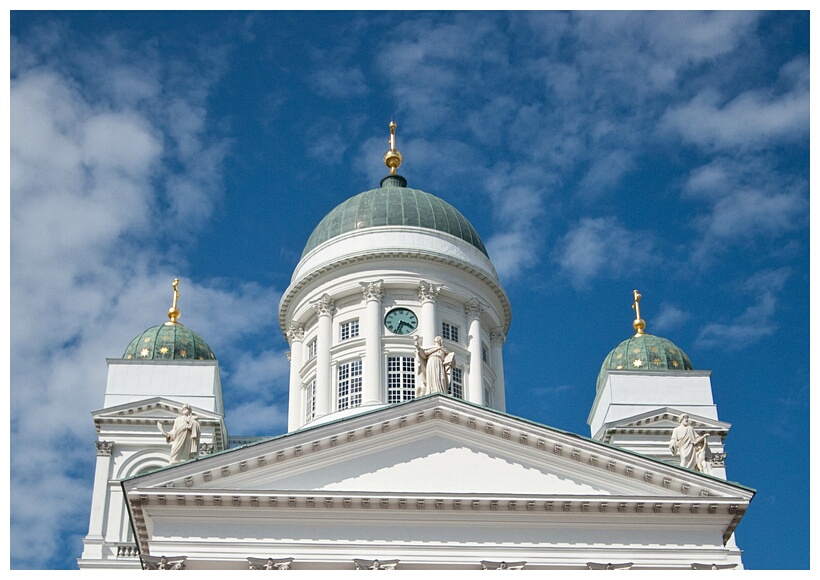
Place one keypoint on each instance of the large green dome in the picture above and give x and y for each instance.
(169, 341)
(393, 204)
(645, 352)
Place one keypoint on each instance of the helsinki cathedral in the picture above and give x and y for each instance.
(399, 452)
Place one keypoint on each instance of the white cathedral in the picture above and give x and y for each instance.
(399, 452)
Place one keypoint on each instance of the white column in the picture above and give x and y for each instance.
(371, 389)
(475, 386)
(325, 308)
(497, 339)
(99, 498)
(296, 337)
(428, 325)
(428, 295)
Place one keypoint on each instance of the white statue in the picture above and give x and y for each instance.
(184, 436)
(686, 443)
(435, 364)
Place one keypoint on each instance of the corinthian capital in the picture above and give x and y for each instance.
(296, 332)
(324, 305)
(428, 292)
(497, 337)
(372, 290)
(473, 308)
(104, 447)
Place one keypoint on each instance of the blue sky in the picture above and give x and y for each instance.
(594, 152)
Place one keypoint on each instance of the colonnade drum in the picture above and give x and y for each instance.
(383, 270)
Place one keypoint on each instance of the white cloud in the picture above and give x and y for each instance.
(669, 317)
(518, 193)
(597, 246)
(338, 82)
(90, 176)
(747, 198)
(756, 322)
(752, 120)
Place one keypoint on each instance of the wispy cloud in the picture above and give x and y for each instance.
(747, 199)
(338, 82)
(669, 317)
(596, 246)
(757, 321)
(751, 120)
(106, 185)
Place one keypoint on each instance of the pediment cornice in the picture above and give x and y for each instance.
(509, 435)
(660, 422)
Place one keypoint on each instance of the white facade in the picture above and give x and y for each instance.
(371, 476)
(139, 394)
(436, 483)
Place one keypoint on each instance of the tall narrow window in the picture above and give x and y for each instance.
(449, 331)
(350, 329)
(488, 397)
(310, 400)
(311, 347)
(350, 384)
(457, 382)
(401, 379)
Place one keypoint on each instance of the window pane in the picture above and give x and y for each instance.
(401, 379)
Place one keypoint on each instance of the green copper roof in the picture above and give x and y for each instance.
(169, 341)
(392, 204)
(645, 352)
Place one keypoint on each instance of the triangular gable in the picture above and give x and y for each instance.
(150, 409)
(661, 421)
(435, 444)
(146, 413)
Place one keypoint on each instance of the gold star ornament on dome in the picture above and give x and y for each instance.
(637, 363)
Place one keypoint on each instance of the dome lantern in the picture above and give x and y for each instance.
(170, 340)
(643, 352)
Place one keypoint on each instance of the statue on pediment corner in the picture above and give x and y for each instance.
(184, 436)
(688, 445)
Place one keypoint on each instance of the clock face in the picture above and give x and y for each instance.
(401, 321)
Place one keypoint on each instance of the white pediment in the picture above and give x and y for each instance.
(434, 445)
(154, 408)
(666, 419)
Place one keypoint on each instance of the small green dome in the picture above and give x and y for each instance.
(169, 341)
(393, 204)
(645, 352)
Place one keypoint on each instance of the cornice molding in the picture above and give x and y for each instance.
(296, 287)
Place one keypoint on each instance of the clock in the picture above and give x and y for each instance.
(401, 321)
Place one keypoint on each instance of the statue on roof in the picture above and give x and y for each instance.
(434, 365)
(688, 445)
(184, 436)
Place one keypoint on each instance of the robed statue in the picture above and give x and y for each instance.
(184, 436)
(688, 445)
(434, 366)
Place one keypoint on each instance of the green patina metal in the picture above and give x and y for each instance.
(393, 204)
(168, 342)
(645, 352)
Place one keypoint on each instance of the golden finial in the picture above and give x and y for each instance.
(638, 324)
(173, 312)
(393, 157)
